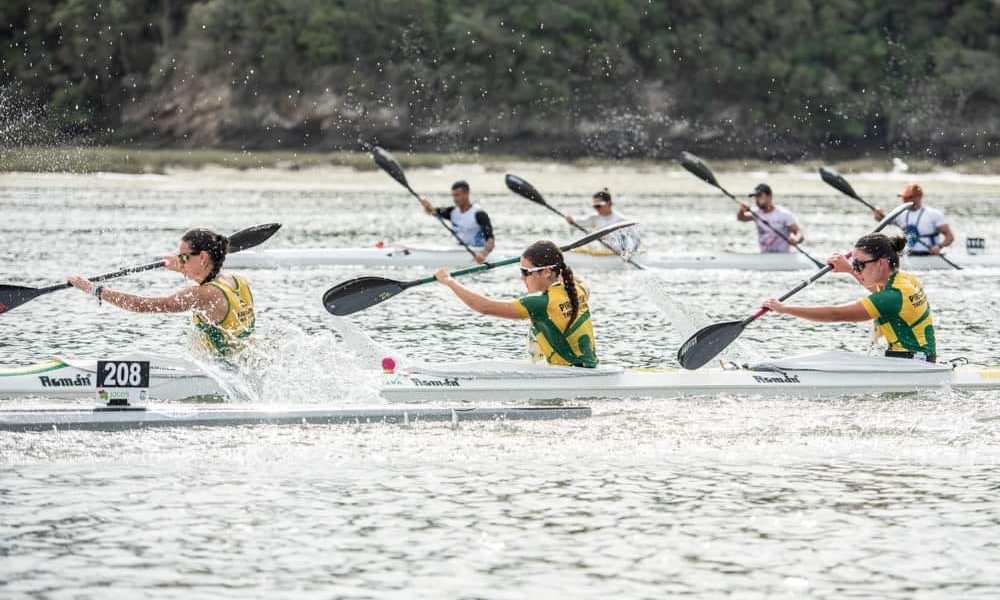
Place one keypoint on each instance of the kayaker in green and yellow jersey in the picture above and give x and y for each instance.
(556, 303)
(221, 304)
(897, 302)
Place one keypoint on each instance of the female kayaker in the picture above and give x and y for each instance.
(897, 301)
(221, 304)
(561, 330)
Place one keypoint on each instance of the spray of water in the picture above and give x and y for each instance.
(686, 318)
(286, 365)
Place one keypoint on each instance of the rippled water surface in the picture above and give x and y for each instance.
(890, 496)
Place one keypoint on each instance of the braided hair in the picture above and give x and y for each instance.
(544, 253)
(879, 245)
(215, 244)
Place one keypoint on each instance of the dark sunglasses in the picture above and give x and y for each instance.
(599, 204)
(859, 265)
(528, 271)
(184, 258)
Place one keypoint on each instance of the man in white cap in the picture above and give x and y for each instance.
(925, 228)
(777, 217)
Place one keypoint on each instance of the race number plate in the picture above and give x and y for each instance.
(122, 382)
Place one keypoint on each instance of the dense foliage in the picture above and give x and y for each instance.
(611, 77)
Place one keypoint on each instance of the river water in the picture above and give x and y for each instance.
(887, 496)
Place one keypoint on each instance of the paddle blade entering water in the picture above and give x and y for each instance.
(390, 165)
(698, 168)
(523, 188)
(12, 296)
(707, 343)
(358, 294)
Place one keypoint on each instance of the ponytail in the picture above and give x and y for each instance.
(546, 253)
(215, 244)
(574, 299)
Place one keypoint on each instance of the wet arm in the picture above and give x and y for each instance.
(853, 312)
(481, 304)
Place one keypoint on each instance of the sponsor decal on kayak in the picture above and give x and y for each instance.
(78, 381)
(446, 382)
(776, 378)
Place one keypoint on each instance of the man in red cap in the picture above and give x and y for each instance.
(925, 228)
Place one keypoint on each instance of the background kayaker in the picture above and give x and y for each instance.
(561, 329)
(221, 304)
(897, 301)
(469, 220)
(777, 217)
(604, 215)
(925, 228)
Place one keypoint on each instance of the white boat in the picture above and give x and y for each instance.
(169, 379)
(65, 417)
(823, 374)
(449, 257)
(827, 373)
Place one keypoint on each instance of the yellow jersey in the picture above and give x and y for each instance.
(550, 339)
(229, 336)
(903, 315)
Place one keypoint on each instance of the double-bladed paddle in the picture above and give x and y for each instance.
(391, 166)
(835, 179)
(523, 188)
(700, 170)
(360, 293)
(709, 341)
(12, 296)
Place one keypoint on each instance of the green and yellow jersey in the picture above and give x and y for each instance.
(549, 339)
(903, 315)
(229, 336)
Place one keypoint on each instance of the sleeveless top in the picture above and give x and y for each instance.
(467, 227)
(903, 315)
(228, 336)
(550, 339)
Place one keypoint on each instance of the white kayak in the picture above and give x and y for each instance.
(169, 379)
(827, 373)
(824, 374)
(450, 257)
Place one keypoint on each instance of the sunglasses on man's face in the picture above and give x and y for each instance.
(600, 204)
(526, 271)
(859, 265)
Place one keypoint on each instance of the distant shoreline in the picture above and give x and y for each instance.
(158, 161)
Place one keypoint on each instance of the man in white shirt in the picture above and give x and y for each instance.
(777, 217)
(925, 228)
(469, 222)
(605, 215)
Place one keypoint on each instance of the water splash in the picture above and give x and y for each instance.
(686, 318)
(287, 365)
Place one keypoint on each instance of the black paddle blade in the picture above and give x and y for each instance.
(707, 343)
(833, 178)
(523, 188)
(252, 236)
(698, 168)
(12, 296)
(360, 293)
(389, 165)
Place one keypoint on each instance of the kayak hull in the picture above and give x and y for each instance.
(824, 374)
(170, 379)
(436, 258)
(56, 417)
